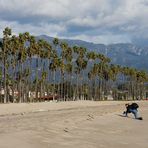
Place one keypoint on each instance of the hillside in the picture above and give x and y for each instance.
(125, 54)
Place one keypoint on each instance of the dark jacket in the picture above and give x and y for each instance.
(132, 106)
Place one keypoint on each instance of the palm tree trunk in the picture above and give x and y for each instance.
(53, 85)
(5, 79)
(36, 81)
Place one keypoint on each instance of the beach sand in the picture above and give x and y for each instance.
(79, 124)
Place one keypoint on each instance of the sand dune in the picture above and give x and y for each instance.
(82, 124)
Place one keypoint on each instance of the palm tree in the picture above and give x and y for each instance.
(1, 72)
(81, 65)
(22, 55)
(5, 48)
(41, 53)
(77, 72)
(14, 52)
(141, 78)
(48, 56)
(64, 47)
(54, 65)
(91, 56)
(104, 61)
(93, 77)
(69, 68)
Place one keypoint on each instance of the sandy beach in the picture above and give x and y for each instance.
(81, 124)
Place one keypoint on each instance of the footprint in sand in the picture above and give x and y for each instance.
(90, 117)
(66, 130)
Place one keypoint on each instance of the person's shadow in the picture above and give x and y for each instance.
(121, 115)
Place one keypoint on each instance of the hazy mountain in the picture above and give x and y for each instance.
(126, 54)
(123, 54)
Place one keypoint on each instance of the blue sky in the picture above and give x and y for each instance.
(98, 21)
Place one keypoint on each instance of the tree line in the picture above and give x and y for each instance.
(71, 73)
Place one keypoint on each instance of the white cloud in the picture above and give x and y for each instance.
(42, 28)
(121, 19)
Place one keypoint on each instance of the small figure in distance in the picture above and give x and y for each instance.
(132, 108)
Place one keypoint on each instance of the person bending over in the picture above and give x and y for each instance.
(132, 108)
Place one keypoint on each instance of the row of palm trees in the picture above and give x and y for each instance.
(71, 73)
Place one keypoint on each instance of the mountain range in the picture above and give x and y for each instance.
(125, 54)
